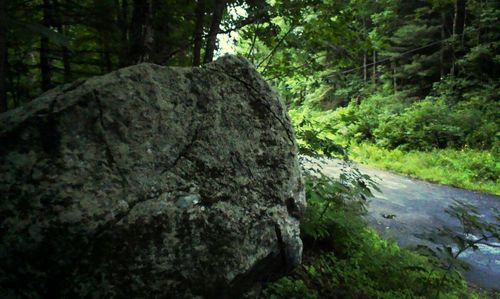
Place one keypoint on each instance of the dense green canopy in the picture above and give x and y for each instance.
(429, 66)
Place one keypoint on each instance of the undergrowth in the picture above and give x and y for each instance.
(467, 168)
(343, 257)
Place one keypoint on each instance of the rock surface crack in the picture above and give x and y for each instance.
(260, 99)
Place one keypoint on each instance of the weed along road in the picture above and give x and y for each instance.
(405, 208)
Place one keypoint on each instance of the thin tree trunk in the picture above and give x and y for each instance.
(3, 57)
(365, 71)
(45, 68)
(9, 80)
(142, 38)
(122, 23)
(464, 24)
(220, 6)
(394, 80)
(252, 46)
(454, 33)
(16, 94)
(443, 45)
(479, 24)
(106, 56)
(374, 67)
(365, 68)
(198, 32)
(65, 50)
(455, 17)
(67, 65)
(269, 56)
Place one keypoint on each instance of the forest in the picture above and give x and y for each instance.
(407, 86)
(416, 81)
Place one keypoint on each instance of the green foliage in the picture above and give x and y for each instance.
(289, 287)
(401, 74)
(417, 78)
(449, 139)
(345, 259)
(313, 140)
(333, 201)
(424, 125)
(435, 122)
(466, 168)
(413, 75)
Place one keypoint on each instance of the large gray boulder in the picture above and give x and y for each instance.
(149, 182)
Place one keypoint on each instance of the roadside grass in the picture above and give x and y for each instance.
(463, 168)
(468, 169)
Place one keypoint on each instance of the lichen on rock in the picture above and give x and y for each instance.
(149, 182)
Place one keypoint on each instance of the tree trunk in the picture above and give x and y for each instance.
(443, 45)
(453, 35)
(220, 6)
(374, 67)
(107, 64)
(394, 80)
(141, 33)
(252, 46)
(65, 51)
(45, 68)
(455, 17)
(198, 32)
(66, 65)
(9, 81)
(365, 71)
(479, 28)
(365, 68)
(464, 24)
(3, 57)
(461, 16)
(122, 23)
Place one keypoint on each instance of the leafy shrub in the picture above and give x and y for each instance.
(458, 113)
(479, 120)
(424, 125)
(346, 259)
(289, 287)
(365, 117)
(314, 138)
